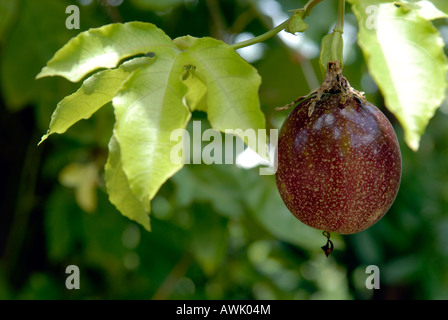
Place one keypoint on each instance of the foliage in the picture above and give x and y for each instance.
(146, 103)
(413, 84)
(147, 96)
(218, 231)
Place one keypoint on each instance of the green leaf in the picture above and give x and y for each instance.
(105, 47)
(151, 101)
(95, 92)
(430, 10)
(185, 42)
(196, 96)
(331, 50)
(296, 23)
(404, 54)
(120, 193)
(147, 109)
(232, 85)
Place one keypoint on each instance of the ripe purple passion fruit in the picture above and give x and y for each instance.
(339, 161)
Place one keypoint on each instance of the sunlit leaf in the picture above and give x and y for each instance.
(232, 85)
(404, 54)
(196, 96)
(95, 91)
(147, 109)
(429, 9)
(120, 193)
(105, 47)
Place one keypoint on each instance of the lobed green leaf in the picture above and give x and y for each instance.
(151, 99)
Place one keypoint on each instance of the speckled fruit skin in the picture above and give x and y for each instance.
(339, 170)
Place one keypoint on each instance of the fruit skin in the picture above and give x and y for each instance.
(339, 169)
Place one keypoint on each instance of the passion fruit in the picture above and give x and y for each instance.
(339, 160)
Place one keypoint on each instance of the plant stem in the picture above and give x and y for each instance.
(339, 27)
(308, 7)
(261, 37)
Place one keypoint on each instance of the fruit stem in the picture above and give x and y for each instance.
(328, 247)
(339, 27)
(269, 34)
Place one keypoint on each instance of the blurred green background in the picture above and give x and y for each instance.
(219, 231)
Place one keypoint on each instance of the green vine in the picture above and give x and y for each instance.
(339, 27)
(291, 24)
